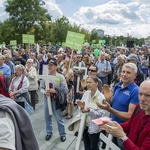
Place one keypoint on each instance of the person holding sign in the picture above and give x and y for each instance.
(88, 105)
(57, 84)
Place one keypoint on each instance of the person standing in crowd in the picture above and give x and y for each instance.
(36, 65)
(10, 64)
(35, 61)
(4, 69)
(60, 84)
(5, 76)
(19, 85)
(41, 63)
(68, 73)
(133, 58)
(17, 59)
(117, 70)
(93, 70)
(16, 132)
(60, 58)
(135, 133)
(77, 73)
(125, 95)
(104, 68)
(31, 74)
(90, 97)
(144, 66)
(86, 60)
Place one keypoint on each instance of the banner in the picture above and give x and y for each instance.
(74, 40)
(28, 39)
(13, 42)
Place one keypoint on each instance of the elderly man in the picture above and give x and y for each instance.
(125, 95)
(138, 126)
(60, 84)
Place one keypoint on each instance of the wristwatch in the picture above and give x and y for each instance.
(123, 139)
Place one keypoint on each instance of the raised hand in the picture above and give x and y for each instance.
(107, 92)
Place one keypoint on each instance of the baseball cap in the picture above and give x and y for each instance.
(132, 57)
(53, 62)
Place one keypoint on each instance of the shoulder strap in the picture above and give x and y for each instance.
(137, 111)
(96, 63)
(21, 82)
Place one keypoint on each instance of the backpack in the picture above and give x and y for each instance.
(60, 99)
(3, 86)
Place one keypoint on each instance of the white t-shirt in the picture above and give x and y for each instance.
(7, 131)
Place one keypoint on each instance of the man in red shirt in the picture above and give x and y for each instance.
(135, 133)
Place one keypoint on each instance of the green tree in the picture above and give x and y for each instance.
(26, 14)
(59, 31)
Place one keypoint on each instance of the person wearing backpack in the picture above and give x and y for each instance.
(104, 68)
(135, 133)
(59, 83)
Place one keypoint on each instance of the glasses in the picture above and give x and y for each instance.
(92, 70)
(78, 57)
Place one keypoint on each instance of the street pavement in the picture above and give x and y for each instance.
(38, 122)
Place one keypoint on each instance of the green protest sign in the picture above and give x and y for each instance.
(28, 39)
(13, 42)
(74, 40)
(63, 44)
(93, 41)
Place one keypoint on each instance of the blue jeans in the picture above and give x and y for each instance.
(48, 119)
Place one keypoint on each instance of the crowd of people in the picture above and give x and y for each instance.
(115, 81)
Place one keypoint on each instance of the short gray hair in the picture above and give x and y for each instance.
(132, 66)
(20, 67)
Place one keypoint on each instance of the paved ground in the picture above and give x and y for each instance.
(54, 144)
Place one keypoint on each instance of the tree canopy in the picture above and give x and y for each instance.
(30, 17)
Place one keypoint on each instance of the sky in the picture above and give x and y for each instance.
(115, 17)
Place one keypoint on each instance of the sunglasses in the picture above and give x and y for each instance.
(92, 70)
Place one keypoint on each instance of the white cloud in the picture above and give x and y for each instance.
(53, 9)
(116, 18)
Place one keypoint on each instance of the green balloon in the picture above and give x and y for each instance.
(96, 52)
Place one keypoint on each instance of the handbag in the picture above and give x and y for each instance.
(23, 102)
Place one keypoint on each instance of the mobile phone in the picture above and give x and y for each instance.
(104, 101)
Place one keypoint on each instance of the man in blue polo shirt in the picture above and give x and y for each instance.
(125, 95)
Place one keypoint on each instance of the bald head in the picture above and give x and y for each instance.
(144, 96)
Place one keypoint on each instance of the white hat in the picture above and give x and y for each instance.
(75, 124)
